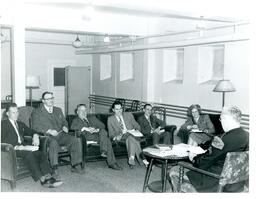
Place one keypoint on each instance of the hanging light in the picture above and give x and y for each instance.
(106, 39)
(77, 43)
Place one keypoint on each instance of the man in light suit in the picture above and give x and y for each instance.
(118, 124)
(151, 126)
(49, 120)
(13, 132)
(94, 130)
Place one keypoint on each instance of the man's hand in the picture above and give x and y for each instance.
(52, 132)
(118, 137)
(35, 140)
(65, 129)
(157, 130)
(191, 156)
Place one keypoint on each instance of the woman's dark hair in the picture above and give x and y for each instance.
(194, 106)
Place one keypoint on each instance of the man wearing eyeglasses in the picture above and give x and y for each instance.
(50, 120)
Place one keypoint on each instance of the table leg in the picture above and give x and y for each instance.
(148, 172)
(164, 170)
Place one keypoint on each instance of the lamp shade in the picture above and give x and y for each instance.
(32, 81)
(224, 86)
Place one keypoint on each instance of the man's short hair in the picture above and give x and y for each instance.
(144, 107)
(117, 102)
(78, 106)
(10, 105)
(233, 111)
(45, 93)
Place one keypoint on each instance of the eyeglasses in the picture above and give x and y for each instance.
(49, 98)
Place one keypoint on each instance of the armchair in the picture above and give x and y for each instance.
(13, 167)
(235, 170)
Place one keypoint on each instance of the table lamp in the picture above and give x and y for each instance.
(224, 86)
(32, 82)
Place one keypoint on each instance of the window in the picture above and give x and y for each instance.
(211, 63)
(126, 66)
(105, 67)
(173, 64)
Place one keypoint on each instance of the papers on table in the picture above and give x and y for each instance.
(180, 150)
(27, 148)
(196, 131)
(135, 133)
(91, 142)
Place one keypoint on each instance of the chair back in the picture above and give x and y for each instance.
(25, 114)
(159, 112)
(235, 169)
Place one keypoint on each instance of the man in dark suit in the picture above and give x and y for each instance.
(94, 130)
(49, 120)
(13, 132)
(118, 125)
(151, 126)
(234, 139)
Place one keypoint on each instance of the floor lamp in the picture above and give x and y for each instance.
(224, 86)
(32, 82)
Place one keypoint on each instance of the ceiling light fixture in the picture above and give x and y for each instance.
(77, 43)
(106, 39)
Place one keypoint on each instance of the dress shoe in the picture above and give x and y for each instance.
(104, 154)
(51, 183)
(115, 166)
(77, 170)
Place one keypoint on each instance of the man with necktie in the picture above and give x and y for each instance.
(13, 132)
(49, 120)
(94, 130)
(118, 126)
(151, 126)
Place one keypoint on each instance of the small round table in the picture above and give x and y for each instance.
(166, 163)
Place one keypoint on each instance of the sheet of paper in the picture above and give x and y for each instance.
(91, 142)
(135, 133)
(28, 148)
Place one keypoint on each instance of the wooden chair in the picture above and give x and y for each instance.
(135, 106)
(235, 169)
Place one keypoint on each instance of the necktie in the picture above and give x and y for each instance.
(19, 137)
(86, 121)
(150, 124)
(50, 109)
(121, 123)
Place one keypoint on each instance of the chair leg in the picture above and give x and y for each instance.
(181, 173)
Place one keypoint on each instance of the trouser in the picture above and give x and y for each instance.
(133, 147)
(105, 144)
(71, 142)
(166, 136)
(36, 162)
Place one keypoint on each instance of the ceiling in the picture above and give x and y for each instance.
(123, 18)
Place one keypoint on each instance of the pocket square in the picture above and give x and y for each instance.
(218, 143)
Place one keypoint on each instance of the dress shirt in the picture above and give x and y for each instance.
(15, 125)
(49, 109)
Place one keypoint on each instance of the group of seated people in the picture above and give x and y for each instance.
(49, 120)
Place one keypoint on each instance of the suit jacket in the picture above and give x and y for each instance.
(204, 122)
(78, 124)
(42, 120)
(114, 128)
(145, 126)
(234, 140)
(8, 133)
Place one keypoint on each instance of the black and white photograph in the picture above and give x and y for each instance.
(125, 97)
